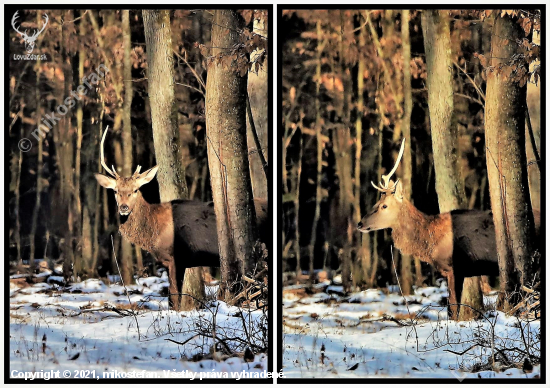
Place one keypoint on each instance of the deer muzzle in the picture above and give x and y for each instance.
(124, 210)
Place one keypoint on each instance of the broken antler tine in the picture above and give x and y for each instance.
(394, 185)
(102, 155)
(136, 173)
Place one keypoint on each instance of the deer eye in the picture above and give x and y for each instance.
(135, 191)
(384, 206)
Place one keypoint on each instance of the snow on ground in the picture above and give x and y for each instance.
(329, 335)
(80, 329)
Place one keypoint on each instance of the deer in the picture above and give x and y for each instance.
(458, 244)
(180, 234)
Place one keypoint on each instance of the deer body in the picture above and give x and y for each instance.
(180, 234)
(459, 244)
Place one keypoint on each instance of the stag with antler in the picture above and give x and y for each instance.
(458, 244)
(30, 40)
(180, 234)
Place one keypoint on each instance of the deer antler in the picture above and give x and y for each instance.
(43, 27)
(13, 19)
(136, 173)
(385, 185)
(112, 172)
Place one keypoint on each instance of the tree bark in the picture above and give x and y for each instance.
(346, 267)
(39, 166)
(228, 156)
(406, 270)
(171, 175)
(259, 103)
(507, 164)
(127, 249)
(449, 183)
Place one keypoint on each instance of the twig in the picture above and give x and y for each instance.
(481, 94)
(532, 136)
(125, 289)
(197, 76)
(255, 135)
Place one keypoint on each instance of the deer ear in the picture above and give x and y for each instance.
(398, 193)
(147, 176)
(105, 181)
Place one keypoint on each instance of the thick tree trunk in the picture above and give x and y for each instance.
(87, 191)
(127, 249)
(507, 164)
(259, 103)
(437, 42)
(449, 183)
(171, 175)
(406, 169)
(228, 156)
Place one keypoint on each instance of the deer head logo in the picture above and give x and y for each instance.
(29, 40)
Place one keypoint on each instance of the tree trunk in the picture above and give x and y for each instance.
(228, 156)
(406, 171)
(259, 103)
(449, 183)
(39, 162)
(66, 162)
(346, 267)
(171, 175)
(507, 163)
(127, 249)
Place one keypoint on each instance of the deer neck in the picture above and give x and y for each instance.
(417, 234)
(142, 226)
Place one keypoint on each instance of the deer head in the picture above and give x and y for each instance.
(126, 189)
(385, 213)
(29, 40)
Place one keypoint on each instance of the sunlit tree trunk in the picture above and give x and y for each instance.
(507, 165)
(164, 111)
(406, 169)
(228, 157)
(127, 249)
(449, 183)
(259, 103)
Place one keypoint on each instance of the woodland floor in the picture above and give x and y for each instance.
(84, 327)
(368, 334)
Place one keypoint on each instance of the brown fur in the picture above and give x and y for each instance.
(421, 236)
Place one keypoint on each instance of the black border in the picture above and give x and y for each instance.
(9, 9)
(404, 380)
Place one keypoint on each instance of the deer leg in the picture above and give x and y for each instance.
(173, 299)
(180, 277)
(459, 285)
(453, 303)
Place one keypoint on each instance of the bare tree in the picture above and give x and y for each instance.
(126, 254)
(171, 175)
(449, 182)
(226, 94)
(259, 103)
(406, 271)
(506, 162)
